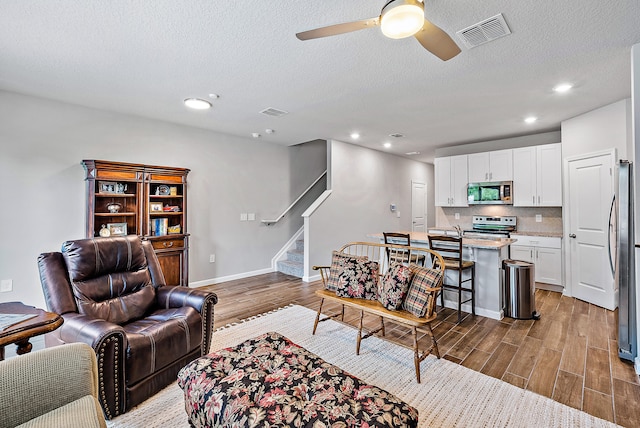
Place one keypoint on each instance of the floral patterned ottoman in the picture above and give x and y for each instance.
(269, 381)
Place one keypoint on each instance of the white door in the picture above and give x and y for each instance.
(418, 206)
(590, 193)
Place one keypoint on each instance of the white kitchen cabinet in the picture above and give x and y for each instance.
(451, 181)
(537, 176)
(544, 252)
(491, 166)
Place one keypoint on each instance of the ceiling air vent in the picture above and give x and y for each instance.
(484, 31)
(270, 111)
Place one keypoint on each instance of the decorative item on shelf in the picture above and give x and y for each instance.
(173, 191)
(117, 229)
(171, 208)
(174, 229)
(104, 231)
(111, 187)
(155, 207)
(159, 226)
(114, 207)
(162, 190)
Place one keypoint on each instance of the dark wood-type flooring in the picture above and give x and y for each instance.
(569, 355)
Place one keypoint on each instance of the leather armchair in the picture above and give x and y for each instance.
(112, 295)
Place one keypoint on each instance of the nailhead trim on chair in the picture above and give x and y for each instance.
(206, 307)
(103, 397)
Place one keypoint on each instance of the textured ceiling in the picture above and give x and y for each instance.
(145, 57)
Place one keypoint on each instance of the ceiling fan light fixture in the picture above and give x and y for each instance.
(402, 18)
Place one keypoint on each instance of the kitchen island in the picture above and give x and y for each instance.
(488, 255)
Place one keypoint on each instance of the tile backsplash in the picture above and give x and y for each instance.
(551, 217)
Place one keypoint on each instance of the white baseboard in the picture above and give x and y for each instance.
(311, 278)
(496, 315)
(229, 277)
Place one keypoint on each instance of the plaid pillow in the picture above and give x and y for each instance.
(394, 286)
(337, 259)
(418, 298)
(358, 279)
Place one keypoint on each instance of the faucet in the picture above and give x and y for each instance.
(458, 229)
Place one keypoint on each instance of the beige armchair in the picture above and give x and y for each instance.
(55, 387)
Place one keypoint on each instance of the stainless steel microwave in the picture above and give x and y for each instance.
(497, 193)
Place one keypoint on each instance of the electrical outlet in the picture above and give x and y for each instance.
(538, 218)
(6, 285)
(212, 258)
(457, 216)
(251, 216)
(398, 214)
(243, 216)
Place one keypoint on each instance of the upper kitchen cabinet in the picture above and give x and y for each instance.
(491, 166)
(451, 180)
(537, 176)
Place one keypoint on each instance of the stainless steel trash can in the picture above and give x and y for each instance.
(519, 290)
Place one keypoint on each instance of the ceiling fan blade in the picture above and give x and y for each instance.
(436, 41)
(333, 30)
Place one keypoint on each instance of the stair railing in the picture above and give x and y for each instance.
(281, 216)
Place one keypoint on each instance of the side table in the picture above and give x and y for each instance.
(21, 332)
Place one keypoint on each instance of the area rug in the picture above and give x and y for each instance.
(449, 396)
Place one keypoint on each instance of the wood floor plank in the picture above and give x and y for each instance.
(568, 389)
(598, 376)
(556, 335)
(543, 377)
(526, 357)
(514, 380)
(476, 360)
(574, 355)
(598, 404)
(621, 369)
(497, 364)
(625, 394)
(493, 337)
(518, 331)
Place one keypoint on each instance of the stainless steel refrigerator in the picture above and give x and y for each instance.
(625, 269)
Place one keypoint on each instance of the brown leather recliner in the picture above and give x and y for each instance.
(112, 295)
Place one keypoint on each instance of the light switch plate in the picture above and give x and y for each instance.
(251, 216)
(243, 216)
(457, 216)
(538, 218)
(6, 285)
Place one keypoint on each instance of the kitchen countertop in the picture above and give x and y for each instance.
(547, 234)
(423, 238)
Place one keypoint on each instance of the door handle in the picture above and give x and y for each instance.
(572, 235)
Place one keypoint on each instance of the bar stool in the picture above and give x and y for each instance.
(450, 248)
(400, 256)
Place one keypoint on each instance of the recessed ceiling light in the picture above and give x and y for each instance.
(255, 135)
(214, 96)
(355, 135)
(197, 103)
(269, 131)
(387, 145)
(530, 119)
(563, 87)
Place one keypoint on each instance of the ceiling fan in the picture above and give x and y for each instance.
(398, 19)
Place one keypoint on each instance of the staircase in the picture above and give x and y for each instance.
(294, 264)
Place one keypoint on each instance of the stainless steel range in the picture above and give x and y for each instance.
(485, 227)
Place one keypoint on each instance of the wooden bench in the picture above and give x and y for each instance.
(382, 253)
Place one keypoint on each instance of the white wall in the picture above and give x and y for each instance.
(42, 143)
(364, 182)
(601, 129)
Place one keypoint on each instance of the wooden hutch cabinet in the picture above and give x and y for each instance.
(145, 200)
